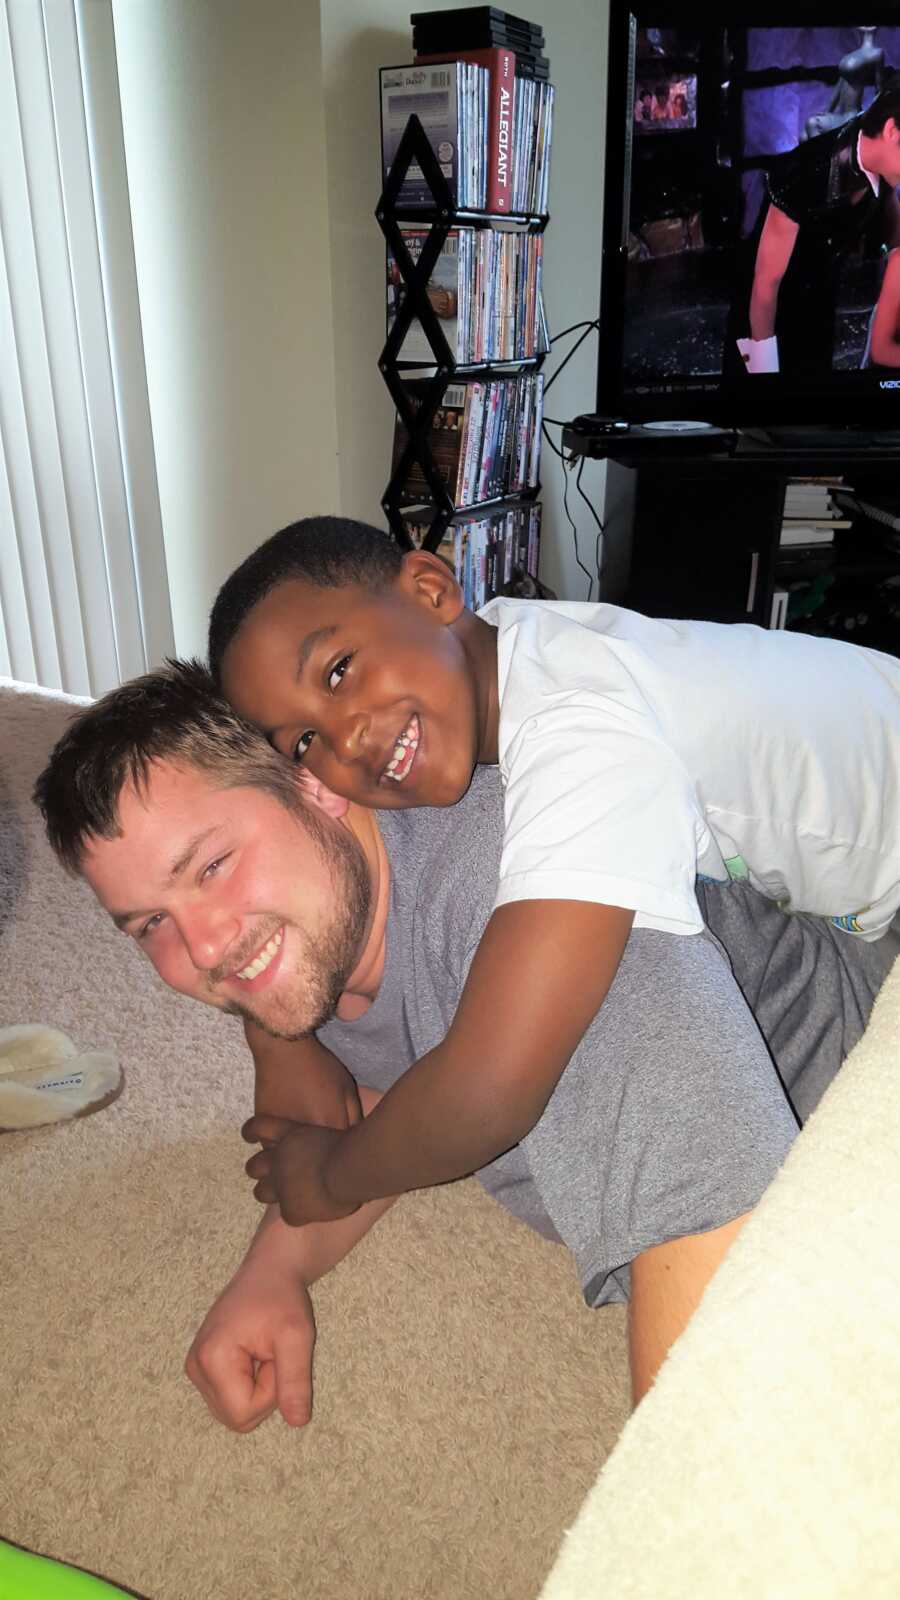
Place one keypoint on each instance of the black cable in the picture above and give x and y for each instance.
(593, 324)
(576, 346)
(601, 526)
(575, 535)
(554, 447)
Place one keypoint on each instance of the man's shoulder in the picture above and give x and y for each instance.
(447, 848)
(814, 175)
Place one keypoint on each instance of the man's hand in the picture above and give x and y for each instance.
(291, 1169)
(253, 1353)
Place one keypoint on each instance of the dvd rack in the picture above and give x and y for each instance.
(401, 376)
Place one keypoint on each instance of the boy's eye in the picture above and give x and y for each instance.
(149, 926)
(212, 869)
(337, 672)
(302, 746)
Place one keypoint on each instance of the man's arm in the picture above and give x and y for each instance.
(539, 975)
(253, 1352)
(776, 245)
(891, 215)
(885, 346)
(301, 1080)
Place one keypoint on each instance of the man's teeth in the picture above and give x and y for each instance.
(404, 752)
(260, 962)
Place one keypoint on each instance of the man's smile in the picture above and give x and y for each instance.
(261, 969)
(404, 753)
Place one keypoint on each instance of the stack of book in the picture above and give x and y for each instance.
(811, 518)
(488, 553)
(520, 96)
(810, 521)
(486, 291)
(485, 440)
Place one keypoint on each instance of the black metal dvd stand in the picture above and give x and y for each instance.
(400, 375)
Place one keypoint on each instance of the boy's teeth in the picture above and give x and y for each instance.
(260, 962)
(404, 750)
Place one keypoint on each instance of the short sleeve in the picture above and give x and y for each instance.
(598, 807)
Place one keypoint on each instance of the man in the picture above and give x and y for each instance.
(301, 913)
(822, 197)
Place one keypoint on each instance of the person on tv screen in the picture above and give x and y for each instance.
(883, 346)
(822, 197)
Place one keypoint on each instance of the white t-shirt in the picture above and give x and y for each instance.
(636, 753)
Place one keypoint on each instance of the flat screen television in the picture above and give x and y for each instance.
(751, 254)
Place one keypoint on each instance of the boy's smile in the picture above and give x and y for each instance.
(378, 693)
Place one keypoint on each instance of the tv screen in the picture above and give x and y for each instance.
(751, 268)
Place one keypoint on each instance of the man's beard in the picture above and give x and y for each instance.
(329, 955)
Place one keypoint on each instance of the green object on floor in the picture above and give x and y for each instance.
(24, 1576)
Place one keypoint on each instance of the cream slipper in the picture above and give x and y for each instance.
(44, 1079)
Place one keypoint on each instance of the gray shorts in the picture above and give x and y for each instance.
(687, 1092)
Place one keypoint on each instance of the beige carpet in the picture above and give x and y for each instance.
(465, 1398)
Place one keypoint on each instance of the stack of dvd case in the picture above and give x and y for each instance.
(480, 28)
(451, 102)
(488, 553)
(485, 291)
(471, 341)
(484, 438)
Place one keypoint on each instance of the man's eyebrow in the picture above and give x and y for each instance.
(122, 918)
(193, 845)
(317, 636)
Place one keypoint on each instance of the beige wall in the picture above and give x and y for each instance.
(252, 138)
(224, 136)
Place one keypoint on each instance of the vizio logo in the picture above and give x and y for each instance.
(889, 383)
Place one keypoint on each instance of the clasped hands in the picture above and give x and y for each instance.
(291, 1169)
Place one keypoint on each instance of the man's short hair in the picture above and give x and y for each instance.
(885, 105)
(330, 552)
(175, 714)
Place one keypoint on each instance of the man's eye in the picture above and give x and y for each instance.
(212, 869)
(149, 926)
(301, 748)
(337, 671)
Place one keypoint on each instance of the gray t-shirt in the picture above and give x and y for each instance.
(668, 1119)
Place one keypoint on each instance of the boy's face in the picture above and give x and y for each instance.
(372, 691)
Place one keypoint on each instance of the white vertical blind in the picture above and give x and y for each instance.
(83, 594)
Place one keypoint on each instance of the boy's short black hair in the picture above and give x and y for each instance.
(886, 104)
(175, 714)
(330, 552)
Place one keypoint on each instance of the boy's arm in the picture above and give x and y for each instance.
(253, 1352)
(301, 1080)
(539, 976)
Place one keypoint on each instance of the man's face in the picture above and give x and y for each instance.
(371, 691)
(889, 152)
(232, 900)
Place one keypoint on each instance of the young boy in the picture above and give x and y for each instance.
(637, 755)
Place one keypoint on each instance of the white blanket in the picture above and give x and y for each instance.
(766, 1460)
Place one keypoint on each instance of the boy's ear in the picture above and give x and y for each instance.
(313, 790)
(425, 578)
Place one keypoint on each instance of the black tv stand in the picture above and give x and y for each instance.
(707, 516)
(838, 441)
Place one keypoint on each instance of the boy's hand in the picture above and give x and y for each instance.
(302, 1080)
(253, 1353)
(291, 1169)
